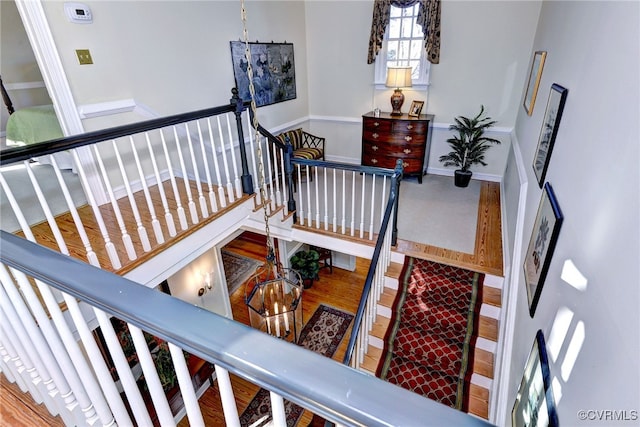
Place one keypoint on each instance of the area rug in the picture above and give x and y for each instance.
(322, 334)
(424, 208)
(434, 325)
(237, 269)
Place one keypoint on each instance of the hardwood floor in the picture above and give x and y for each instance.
(341, 289)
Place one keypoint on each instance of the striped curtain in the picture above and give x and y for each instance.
(428, 19)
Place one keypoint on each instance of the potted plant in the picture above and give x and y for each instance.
(469, 145)
(306, 263)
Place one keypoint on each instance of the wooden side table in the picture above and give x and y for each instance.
(326, 257)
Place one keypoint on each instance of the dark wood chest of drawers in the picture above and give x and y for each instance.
(387, 138)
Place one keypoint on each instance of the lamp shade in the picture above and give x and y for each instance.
(398, 77)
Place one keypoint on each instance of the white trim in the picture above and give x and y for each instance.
(44, 48)
(501, 400)
(476, 175)
(24, 85)
(343, 159)
(89, 111)
(336, 119)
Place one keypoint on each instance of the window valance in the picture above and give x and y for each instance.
(428, 19)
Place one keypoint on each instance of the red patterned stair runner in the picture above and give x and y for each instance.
(429, 345)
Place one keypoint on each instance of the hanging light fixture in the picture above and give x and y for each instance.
(273, 295)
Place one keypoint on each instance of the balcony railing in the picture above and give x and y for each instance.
(163, 178)
(41, 354)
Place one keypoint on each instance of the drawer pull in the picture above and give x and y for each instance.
(405, 164)
(408, 138)
(374, 161)
(407, 151)
(376, 124)
(374, 147)
(375, 135)
(409, 127)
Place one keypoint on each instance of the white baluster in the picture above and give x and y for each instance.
(255, 175)
(277, 199)
(131, 390)
(226, 396)
(383, 198)
(126, 238)
(277, 409)
(233, 158)
(221, 196)
(142, 232)
(160, 403)
(155, 224)
(269, 175)
(67, 352)
(364, 180)
(373, 202)
(168, 217)
(335, 206)
(36, 356)
(285, 192)
(23, 367)
(111, 248)
(182, 217)
(326, 201)
(300, 195)
(91, 255)
(315, 168)
(186, 386)
(205, 159)
(344, 202)
(353, 202)
(9, 368)
(185, 177)
(201, 199)
(230, 193)
(309, 210)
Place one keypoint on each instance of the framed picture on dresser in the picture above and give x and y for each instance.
(416, 108)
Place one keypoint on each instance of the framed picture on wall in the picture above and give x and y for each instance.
(537, 64)
(550, 125)
(274, 71)
(543, 241)
(535, 403)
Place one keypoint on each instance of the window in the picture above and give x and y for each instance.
(403, 46)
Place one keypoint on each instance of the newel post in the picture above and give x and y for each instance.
(288, 169)
(395, 187)
(247, 182)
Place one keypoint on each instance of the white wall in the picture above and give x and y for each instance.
(484, 60)
(592, 50)
(173, 56)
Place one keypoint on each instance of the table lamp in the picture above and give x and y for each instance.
(398, 77)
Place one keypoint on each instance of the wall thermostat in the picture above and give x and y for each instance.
(78, 13)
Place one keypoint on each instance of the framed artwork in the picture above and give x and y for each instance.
(550, 125)
(535, 403)
(534, 80)
(416, 108)
(543, 241)
(273, 66)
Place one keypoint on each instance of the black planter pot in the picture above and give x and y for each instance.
(462, 178)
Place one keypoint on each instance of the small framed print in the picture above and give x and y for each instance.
(550, 125)
(416, 108)
(534, 80)
(544, 236)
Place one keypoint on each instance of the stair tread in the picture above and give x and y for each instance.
(388, 297)
(394, 270)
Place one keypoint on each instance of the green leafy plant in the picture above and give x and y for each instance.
(306, 263)
(469, 145)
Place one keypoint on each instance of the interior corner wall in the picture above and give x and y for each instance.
(591, 328)
(484, 61)
(173, 56)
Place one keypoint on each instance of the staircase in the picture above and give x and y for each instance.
(485, 350)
